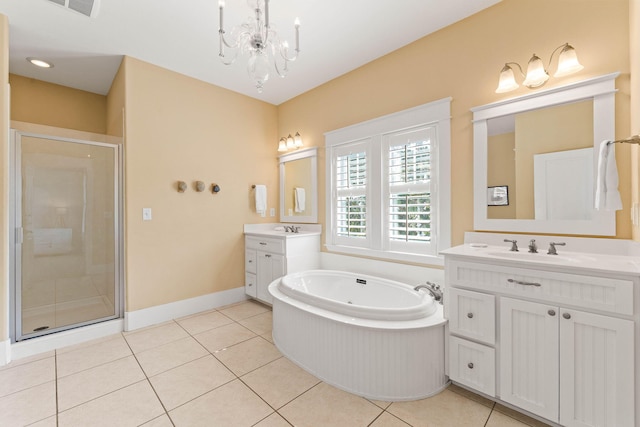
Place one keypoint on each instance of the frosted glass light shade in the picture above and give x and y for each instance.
(536, 74)
(507, 81)
(282, 145)
(291, 144)
(298, 140)
(568, 62)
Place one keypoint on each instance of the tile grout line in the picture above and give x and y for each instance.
(149, 382)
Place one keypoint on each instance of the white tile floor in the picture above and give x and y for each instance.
(217, 368)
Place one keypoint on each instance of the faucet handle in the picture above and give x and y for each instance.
(552, 248)
(533, 248)
(514, 246)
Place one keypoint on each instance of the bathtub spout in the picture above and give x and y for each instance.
(433, 289)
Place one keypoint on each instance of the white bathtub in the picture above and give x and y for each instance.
(373, 337)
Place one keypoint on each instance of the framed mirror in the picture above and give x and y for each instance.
(299, 186)
(544, 148)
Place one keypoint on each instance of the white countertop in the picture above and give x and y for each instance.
(277, 230)
(576, 261)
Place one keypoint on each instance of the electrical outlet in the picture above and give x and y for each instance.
(272, 212)
(635, 214)
(146, 214)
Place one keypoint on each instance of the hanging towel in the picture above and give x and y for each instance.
(299, 196)
(261, 200)
(607, 194)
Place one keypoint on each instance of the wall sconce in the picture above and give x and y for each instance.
(537, 75)
(290, 143)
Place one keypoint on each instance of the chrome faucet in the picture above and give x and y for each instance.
(514, 247)
(533, 248)
(291, 228)
(552, 248)
(433, 289)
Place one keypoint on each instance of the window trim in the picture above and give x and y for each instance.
(436, 113)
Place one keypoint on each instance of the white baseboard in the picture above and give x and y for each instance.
(173, 310)
(45, 343)
(405, 273)
(5, 352)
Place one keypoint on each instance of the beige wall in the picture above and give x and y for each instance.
(4, 176)
(179, 128)
(35, 101)
(463, 61)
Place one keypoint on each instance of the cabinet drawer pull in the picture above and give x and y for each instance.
(470, 365)
(551, 312)
(519, 282)
(470, 315)
(566, 315)
(267, 255)
(263, 243)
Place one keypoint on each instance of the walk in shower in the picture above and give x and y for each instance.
(67, 256)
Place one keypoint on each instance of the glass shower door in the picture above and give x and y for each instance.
(67, 257)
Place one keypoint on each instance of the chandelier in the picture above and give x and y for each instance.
(258, 38)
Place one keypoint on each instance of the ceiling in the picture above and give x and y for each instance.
(336, 36)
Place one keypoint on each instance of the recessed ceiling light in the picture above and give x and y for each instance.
(40, 63)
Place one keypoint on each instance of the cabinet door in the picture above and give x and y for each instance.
(473, 365)
(529, 356)
(596, 370)
(270, 267)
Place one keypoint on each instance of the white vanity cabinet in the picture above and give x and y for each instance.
(269, 255)
(553, 340)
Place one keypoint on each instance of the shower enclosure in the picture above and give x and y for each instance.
(67, 256)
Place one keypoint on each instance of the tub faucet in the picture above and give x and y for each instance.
(433, 289)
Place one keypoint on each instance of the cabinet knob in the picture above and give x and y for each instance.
(470, 315)
(250, 284)
(566, 315)
(551, 312)
(470, 365)
(267, 255)
(250, 261)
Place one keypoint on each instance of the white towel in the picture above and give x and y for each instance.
(607, 194)
(300, 196)
(261, 200)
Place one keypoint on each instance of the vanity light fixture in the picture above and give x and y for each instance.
(537, 75)
(290, 143)
(257, 37)
(40, 63)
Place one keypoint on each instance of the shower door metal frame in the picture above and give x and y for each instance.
(15, 218)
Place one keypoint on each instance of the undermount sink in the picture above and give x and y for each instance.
(543, 257)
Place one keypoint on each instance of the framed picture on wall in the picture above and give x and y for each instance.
(498, 196)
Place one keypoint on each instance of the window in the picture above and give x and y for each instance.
(389, 185)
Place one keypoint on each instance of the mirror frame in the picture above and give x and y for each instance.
(602, 91)
(312, 196)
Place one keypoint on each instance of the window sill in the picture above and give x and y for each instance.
(387, 256)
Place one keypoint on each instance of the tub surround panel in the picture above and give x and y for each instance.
(162, 313)
(388, 365)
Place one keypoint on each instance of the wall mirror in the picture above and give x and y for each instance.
(299, 186)
(544, 148)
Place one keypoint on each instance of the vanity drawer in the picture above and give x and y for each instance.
(250, 256)
(473, 365)
(472, 315)
(596, 293)
(265, 244)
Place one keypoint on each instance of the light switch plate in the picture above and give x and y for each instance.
(146, 214)
(272, 212)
